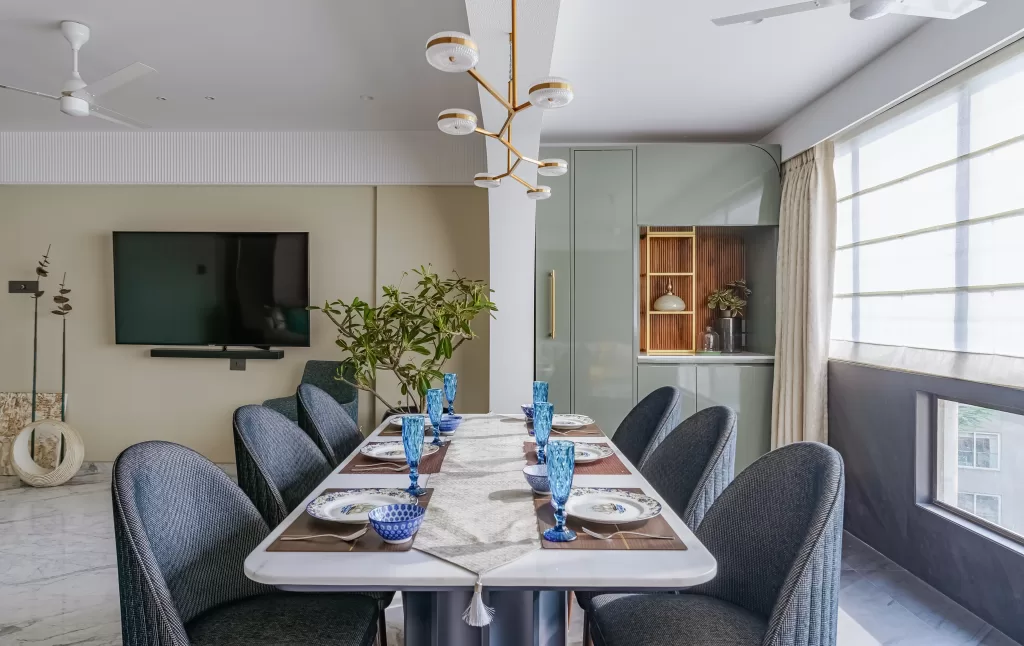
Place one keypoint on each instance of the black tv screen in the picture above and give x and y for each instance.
(247, 289)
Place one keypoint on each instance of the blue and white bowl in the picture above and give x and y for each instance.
(397, 523)
(537, 478)
(527, 410)
(449, 423)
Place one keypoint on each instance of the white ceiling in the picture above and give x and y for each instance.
(659, 69)
(270, 64)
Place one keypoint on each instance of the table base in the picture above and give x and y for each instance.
(521, 618)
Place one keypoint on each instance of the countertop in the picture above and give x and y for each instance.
(736, 357)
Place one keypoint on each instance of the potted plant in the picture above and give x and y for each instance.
(729, 303)
(410, 334)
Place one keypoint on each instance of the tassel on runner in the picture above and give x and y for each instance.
(478, 613)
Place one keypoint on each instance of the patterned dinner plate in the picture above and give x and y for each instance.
(565, 422)
(353, 506)
(581, 420)
(587, 452)
(394, 451)
(610, 506)
(396, 420)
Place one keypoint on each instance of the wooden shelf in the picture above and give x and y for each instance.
(667, 259)
(670, 273)
(676, 312)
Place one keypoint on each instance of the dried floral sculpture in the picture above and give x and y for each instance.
(41, 272)
(62, 307)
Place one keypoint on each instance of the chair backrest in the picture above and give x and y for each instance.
(322, 375)
(776, 533)
(183, 530)
(648, 423)
(327, 424)
(278, 465)
(693, 465)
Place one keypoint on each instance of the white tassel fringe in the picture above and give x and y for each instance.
(478, 613)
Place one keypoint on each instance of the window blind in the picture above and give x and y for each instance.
(930, 234)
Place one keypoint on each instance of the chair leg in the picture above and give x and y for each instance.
(382, 628)
(586, 628)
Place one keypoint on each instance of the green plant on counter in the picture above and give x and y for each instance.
(731, 299)
(411, 334)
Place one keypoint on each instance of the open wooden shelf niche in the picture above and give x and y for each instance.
(667, 255)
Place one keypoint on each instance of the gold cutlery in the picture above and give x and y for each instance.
(349, 538)
(387, 467)
(605, 537)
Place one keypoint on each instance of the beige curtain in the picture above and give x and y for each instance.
(807, 241)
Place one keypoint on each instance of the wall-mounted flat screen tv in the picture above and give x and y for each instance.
(226, 289)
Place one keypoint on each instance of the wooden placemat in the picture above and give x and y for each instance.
(657, 526)
(428, 464)
(610, 466)
(396, 431)
(306, 525)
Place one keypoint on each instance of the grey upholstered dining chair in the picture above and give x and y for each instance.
(322, 375)
(183, 530)
(689, 469)
(278, 466)
(327, 423)
(776, 533)
(648, 423)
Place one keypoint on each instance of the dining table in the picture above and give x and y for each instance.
(529, 594)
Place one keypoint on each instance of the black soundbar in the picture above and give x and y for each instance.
(181, 353)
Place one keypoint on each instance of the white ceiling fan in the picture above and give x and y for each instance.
(78, 98)
(863, 9)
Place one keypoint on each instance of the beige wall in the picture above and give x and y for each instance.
(119, 395)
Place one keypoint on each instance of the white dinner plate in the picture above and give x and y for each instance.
(565, 422)
(396, 420)
(587, 452)
(582, 420)
(610, 506)
(353, 506)
(394, 451)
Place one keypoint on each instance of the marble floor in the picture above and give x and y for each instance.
(58, 581)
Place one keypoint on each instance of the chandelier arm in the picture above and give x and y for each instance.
(507, 144)
(521, 107)
(507, 125)
(487, 86)
(509, 172)
(523, 182)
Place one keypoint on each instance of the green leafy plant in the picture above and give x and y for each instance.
(731, 299)
(411, 334)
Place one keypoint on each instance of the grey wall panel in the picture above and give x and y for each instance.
(873, 424)
(554, 254)
(761, 248)
(603, 312)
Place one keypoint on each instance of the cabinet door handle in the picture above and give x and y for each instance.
(552, 277)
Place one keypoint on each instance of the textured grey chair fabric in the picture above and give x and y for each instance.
(325, 421)
(776, 533)
(690, 468)
(648, 424)
(278, 465)
(322, 375)
(666, 619)
(182, 531)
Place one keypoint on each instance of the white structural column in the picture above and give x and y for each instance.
(512, 215)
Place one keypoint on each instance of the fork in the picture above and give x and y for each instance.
(605, 537)
(386, 467)
(349, 538)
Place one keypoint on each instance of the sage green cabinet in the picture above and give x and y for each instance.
(708, 184)
(650, 377)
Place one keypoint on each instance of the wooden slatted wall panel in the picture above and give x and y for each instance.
(643, 289)
(720, 260)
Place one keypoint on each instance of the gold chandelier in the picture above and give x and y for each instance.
(453, 51)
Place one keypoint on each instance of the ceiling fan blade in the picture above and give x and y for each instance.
(946, 9)
(117, 79)
(116, 117)
(18, 89)
(758, 16)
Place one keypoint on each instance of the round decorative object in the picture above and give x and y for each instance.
(537, 477)
(539, 193)
(611, 506)
(397, 523)
(37, 476)
(354, 506)
(393, 451)
(456, 121)
(669, 302)
(551, 92)
(449, 423)
(452, 51)
(483, 180)
(553, 167)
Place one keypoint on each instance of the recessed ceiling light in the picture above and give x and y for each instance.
(366, 97)
(210, 98)
(161, 98)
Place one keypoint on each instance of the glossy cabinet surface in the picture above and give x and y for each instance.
(650, 377)
(603, 282)
(553, 291)
(708, 184)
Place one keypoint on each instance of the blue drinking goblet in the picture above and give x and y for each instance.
(412, 440)
(561, 464)
(434, 411)
(451, 382)
(542, 414)
(540, 391)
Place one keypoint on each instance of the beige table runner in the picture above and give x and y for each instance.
(481, 514)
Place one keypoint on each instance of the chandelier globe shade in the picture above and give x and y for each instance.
(456, 121)
(452, 51)
(484, 180)
(551, 92)
(553, 167)
(539, 193)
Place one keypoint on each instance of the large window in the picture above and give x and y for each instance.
(930, 231)
(980, 465)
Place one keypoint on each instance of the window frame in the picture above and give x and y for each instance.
(932, 498)
(974, 446)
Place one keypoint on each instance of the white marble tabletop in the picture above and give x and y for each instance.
(542, 569)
